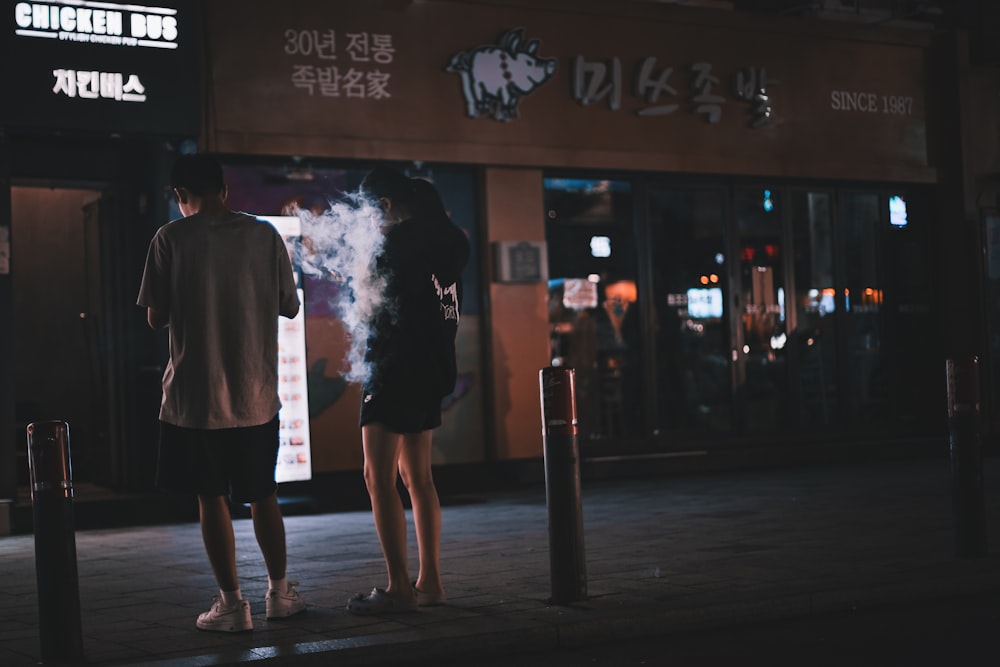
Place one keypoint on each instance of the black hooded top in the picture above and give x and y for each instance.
(411, 347)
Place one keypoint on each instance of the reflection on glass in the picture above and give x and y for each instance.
(762, 285)
(691, 325)
(868, 390)
(593, 313)
(815, 337)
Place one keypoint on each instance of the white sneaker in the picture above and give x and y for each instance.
(281, 604)
(220, 618)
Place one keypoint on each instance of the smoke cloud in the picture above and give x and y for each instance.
(341, 244)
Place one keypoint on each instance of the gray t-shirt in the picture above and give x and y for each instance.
(223, 282)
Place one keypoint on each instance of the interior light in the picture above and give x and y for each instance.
(897, 212)
(600, 246)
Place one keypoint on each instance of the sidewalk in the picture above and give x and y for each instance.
(663, 555)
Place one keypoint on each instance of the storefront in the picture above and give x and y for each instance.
(97, 95)
(735, 227)
(738, 214)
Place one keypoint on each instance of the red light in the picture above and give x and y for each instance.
(747, 254)
(771, 250)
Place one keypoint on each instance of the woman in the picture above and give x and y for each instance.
(411, 366)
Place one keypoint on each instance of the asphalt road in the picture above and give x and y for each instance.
(955, 632)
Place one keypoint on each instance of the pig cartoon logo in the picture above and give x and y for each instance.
(495, 78)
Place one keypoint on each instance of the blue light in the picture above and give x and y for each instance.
(897, 212)
(768, 202)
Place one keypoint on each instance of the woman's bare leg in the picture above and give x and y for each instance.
(381, 448)
(415, 469)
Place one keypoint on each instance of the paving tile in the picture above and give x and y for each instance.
(662, 555)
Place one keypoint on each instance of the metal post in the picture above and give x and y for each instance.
(965, 441)
(55, 541)
(562, 484)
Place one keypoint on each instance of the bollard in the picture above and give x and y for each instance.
(60, 635)
(966, 446)
(562, 484)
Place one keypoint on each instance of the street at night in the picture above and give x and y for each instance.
(957, 632)
(492, 332)
(749, 558)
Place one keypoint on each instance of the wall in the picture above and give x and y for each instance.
(8, 430)
(519, 335)
(601, 85)
(981, 141)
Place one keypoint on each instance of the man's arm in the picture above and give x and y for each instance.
(157, 318)
(153, 291)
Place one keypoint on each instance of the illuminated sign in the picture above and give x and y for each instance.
(98, 23)
(600, 246)
(94, 85)
(496, 76)
(94, 66)
(897, 211)
(294, 462)
(704, 303)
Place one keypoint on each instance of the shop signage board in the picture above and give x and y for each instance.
(294, 462)
(472, 82)
(521, 261)
(95, 66)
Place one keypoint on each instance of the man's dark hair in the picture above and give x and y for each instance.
(199, 174)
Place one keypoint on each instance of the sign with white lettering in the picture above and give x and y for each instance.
(847, 100)
(360, 73)
(651, 89)
(100, 66)
(98, 22)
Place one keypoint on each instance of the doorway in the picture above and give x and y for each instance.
(57, 314)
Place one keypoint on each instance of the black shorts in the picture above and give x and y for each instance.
(401, 414)
(235, 462)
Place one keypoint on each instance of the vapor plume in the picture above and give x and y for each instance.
(341, 244)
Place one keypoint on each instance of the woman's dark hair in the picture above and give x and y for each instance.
(417, 196)
(427, 200)
(391, 184)
(199, 174)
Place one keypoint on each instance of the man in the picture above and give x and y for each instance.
(219, 280)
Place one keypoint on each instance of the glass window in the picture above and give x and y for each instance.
(815, 339)
(593, 301)
(691, 317)
(762, 304)
(867, 391)
(909, 279)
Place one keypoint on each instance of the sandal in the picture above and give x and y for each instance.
(429, 599)
(378, 602)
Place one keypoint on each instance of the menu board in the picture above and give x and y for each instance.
(294, 455)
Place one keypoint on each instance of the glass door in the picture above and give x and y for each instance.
(760, 352)
(594, 306)
(692, 311)
(764, 313)
(812, 336)
(865, 372)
